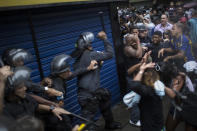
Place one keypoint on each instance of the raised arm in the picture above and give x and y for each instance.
(4, 73)
(136, 85)
(107, 53)
(131, 52)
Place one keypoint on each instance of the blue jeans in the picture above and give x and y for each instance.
(135, 113)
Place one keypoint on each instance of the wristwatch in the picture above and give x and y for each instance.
(51, 108)
(46, 88)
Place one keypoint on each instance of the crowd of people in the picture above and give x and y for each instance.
(159, 45)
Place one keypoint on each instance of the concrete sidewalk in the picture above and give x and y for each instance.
(122, 115)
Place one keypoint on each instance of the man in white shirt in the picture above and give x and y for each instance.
(165, 25)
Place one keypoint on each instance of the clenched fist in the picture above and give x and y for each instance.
(5, 72)
(102, 35)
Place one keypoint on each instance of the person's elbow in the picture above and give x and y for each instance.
(109, 54)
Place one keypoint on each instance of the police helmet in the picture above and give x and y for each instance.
(85, 40)
(20, 76)
(15, 55)
(60, 64)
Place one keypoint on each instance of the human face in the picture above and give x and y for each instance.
(135, 32)
(156, 39)
(154, 12)
(164, 19)
(175, 30)
(66, 74)
(20, 91)
(18, 63)
(178, 82)
(180, 10)
(143, 33)
(90, 48)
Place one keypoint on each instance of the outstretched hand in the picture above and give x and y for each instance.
(53, 92)
(161, 53)
(58, 111)
(145, 57)
(145, 66)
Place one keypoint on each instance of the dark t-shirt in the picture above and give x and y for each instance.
(151, 109)
(90, 81)
(155, 49)
(16, 110)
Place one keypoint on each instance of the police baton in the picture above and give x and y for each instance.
(82, 118)
(102, 21)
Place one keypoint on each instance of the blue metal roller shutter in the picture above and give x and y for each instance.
(57, 31)
(15, 32)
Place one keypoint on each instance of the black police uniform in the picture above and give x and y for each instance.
(18, 109)
(90, 96)
(34, 88)
(60, 85)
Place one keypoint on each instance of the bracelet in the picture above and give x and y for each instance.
(46, 88)
(141, 72)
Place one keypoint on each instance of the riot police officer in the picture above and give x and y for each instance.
(60, 73)
(90, 95)
(16, 57)
(19, 103)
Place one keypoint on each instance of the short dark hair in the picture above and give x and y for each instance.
(158, 33)
(165, 15)
(134, 27)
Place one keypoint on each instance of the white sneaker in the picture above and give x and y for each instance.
(138, 124)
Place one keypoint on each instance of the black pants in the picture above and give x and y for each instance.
(91, 102)
(52, 123)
